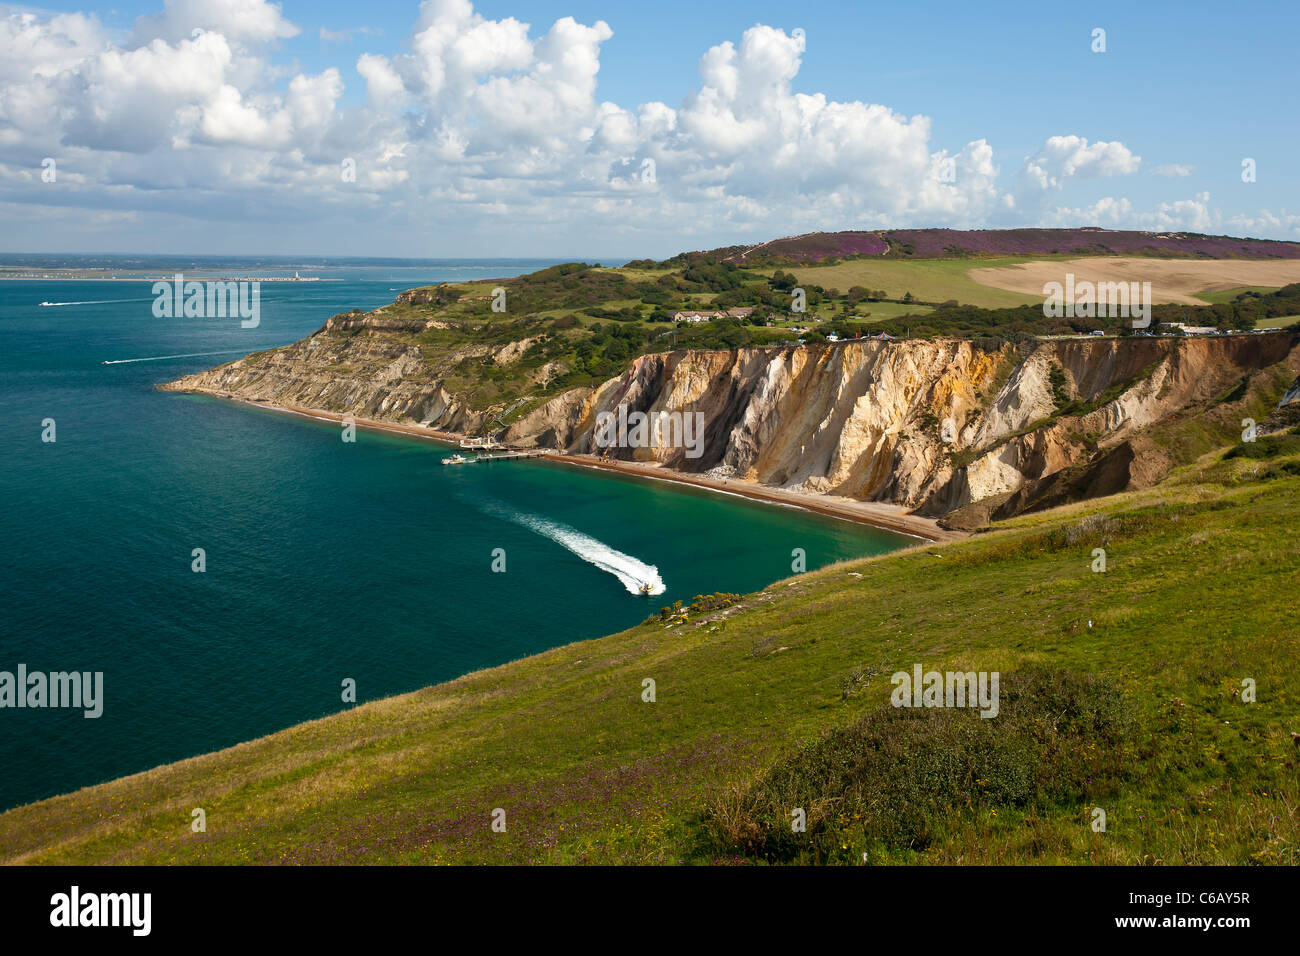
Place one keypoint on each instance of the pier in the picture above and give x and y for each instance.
(495, 456)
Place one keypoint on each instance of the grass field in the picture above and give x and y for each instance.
(1197, 596)
(931, 280)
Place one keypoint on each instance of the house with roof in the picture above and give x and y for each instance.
(740, 312)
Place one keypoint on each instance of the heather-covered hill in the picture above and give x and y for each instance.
(947, 243)
(977, 243)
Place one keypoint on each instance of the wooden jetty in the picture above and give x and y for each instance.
(494, 456)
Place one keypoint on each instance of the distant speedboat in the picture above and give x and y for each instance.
(456, 460)
(47, 303)
(647, 588)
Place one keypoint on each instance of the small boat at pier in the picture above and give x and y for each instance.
(509, 453)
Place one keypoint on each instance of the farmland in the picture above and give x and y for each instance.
(929, 280)
(1172, 280)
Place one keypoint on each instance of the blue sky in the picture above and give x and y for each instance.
(472, 136)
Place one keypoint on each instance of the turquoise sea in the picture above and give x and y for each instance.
(324, 560)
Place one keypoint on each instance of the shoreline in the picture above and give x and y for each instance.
(878, 515)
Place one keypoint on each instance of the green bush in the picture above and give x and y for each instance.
(1268, 446)
(896, 778)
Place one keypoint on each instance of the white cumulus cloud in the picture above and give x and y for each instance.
(495, 124)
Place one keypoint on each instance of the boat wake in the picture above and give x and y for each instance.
(159, 358)
(94, 302)
(637, 576)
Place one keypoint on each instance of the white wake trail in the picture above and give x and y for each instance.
(159, 358)
(632, 572)
(96, 302)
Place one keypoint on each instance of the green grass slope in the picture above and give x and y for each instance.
(929, 280)
(1122, 686)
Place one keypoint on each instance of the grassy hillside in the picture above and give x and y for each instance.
(929, 280)
(783, 695)
(826, 247)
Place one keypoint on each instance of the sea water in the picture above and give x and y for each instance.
(324, 560)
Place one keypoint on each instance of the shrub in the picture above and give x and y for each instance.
(896, 778)
(1268, 446)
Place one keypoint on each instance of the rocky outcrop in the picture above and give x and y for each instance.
(942, 427)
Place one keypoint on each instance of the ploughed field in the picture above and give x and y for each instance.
(1172, 280)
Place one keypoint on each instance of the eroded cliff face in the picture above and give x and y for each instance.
(821, 419)
(942, 427)
(362, 364)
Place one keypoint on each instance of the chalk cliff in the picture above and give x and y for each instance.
(943, 427)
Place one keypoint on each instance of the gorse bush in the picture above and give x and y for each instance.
(703, 604)
(896, 779)
(1267, 446)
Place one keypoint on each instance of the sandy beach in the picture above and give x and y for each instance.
(887, 517)
(877, 514)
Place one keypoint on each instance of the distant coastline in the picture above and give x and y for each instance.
(157, 277)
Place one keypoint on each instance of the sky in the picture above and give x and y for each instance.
(600, 129)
